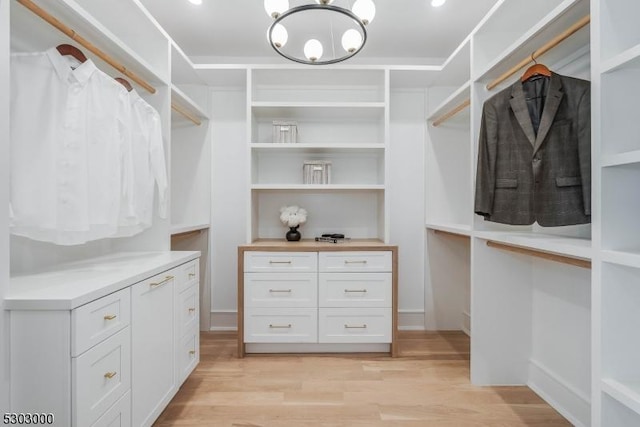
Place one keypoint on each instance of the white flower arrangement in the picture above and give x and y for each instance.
(293, 216)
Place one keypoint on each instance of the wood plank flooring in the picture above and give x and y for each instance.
(427, 386)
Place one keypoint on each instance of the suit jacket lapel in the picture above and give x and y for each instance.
(554, 97)
(520, 110)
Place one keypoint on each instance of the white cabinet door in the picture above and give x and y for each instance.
(355, 289)
(280, 262)
(354, 325)
(278, 325)
(153, 351)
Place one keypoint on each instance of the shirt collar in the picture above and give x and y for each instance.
(134, 96)
(82, 73)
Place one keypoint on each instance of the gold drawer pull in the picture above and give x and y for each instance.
(191, 310)
(110, 375)
(280, 326)
(279, 262)
(166, 279)
(287, 291)
(192, 352)
(349, 291)
(192, 275)
(355, 327)
(110, 317)
(364, 261)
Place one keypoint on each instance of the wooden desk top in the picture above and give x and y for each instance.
(281, 245)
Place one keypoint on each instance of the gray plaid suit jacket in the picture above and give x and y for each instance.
(523, 178)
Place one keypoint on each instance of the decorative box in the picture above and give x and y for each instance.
(317, 172)
(285, 132)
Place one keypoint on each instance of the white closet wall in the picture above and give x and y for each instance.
(4, 201)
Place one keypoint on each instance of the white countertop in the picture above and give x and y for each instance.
(71, 285)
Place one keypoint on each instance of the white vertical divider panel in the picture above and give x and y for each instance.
(4, 201)
(230, 197)
(405, 193)
(385, 234)
(596, 215)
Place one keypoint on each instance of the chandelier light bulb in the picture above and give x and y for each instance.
(437, 3)
(324, 1)
(365, 10)
(313, 50)
(276, 8)
(196, 2)
(351, 40)
(279, 36)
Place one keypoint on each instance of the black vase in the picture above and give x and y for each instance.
(293, 235)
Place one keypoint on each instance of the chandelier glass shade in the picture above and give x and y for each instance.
(318, 33)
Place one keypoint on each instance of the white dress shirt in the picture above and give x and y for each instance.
(147, 167)
(69, 131)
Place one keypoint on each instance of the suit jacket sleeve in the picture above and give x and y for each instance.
(584, 147)
(486, 171)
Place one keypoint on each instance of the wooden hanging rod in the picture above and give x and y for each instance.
(85, 43)
(446, 116)
(544, 49)
(540, 254)
(186, 114)
(186, 234)
(449, 233)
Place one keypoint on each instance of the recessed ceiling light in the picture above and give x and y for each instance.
(437, 3)
(196, 1)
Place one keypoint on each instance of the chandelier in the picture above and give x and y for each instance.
(315, 26)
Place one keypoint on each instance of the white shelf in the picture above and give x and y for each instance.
(42, 36)
(568, 246)
(630, 58)
(554, 23)
(321, 147)
(462, 94)
(461, 229)
(186, 228)
(626, 393)
(628, 158)
(457, 68)
(181, 99)
(318, 110)
(630, 259)
(182, 69)
(321, 187)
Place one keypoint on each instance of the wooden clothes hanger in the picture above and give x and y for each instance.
(67, 49)
(124, 83)
(535, 70)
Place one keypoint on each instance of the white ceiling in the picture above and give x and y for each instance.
(234, 31)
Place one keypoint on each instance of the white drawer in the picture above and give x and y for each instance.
(190, 274)
(119, 415)
(354, 325)
(290, 325)
(188, 354)
(261, 262)
(100, 377)
(280, 290)
(188, 310)
(98, 320)
(373, 261)
(354, 289)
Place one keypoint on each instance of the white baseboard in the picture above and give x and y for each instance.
(466, 323)
(411, 320)
(223, 320)
(227, 320)
(572, 403)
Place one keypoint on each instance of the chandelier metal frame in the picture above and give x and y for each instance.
(308, 7)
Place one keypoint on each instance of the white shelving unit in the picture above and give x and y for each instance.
(616, 278)
(342, 117)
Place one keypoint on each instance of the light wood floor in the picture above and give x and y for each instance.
(427, 386)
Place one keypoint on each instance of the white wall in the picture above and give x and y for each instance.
(406, 191)
(228, 201)
(4, 201)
